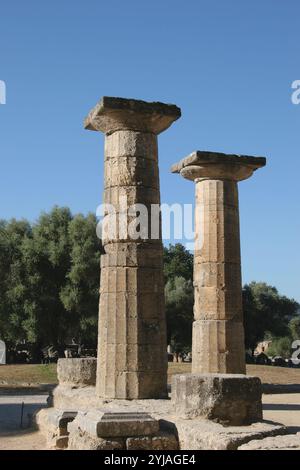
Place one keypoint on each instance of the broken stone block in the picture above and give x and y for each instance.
(229, 399)
(202, 434)
(108, 424)
(55, 422)
(60, 419)
(77, 371)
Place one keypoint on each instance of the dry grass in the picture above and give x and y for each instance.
(267, 374)
(27, 374)
(35, 374)
(275, 375)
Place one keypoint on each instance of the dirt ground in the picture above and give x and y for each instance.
(25, 440)
(16, 411)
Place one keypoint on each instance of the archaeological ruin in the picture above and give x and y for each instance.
(121, 400)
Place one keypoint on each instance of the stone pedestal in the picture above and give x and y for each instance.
(98, 430)
(132, 349)
(229, 399)
(199, 433)
(218, 333)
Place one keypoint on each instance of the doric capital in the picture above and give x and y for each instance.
(113, 114)
(215, 165)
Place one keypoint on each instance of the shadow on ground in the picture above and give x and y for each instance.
(281, 406)
(16, 412)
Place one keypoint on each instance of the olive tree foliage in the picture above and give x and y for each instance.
(49, 279)
(179, 294)
(268, 315)
(179, 311)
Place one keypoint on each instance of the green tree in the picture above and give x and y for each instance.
(280, 347)
(80, 295)
(265, 310)
(294, 327)
(49, 278)
(178, 262)
(13, 289)
(179, 312)
(48, 261)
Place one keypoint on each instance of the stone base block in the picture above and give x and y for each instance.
(100, 430)
(174, 431)
(79, 440)
(77, 371)
(110, 424)
(230, 399)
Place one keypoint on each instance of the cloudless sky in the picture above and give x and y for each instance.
(229, 65)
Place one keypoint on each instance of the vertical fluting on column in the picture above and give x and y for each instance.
(218, 334)
(132, 349)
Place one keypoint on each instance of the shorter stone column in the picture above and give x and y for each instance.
(218, 332)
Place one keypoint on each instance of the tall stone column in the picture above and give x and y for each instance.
(132, 349)
(218, 333)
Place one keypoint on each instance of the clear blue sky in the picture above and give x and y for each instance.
(228, 64)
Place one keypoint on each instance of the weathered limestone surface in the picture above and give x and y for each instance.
(113, 114)
(70, 397)
(99, 423)
(227, 399)
(132, 360)
(191, 434)
(196, 434)
(81, 440)
(163, 441)
(289, 442)
(218, 334)
(200, 434)
(77, 371)
(54, 424)
(130, 430)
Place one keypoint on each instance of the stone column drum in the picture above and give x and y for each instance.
(132, 358)
(218, 333)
